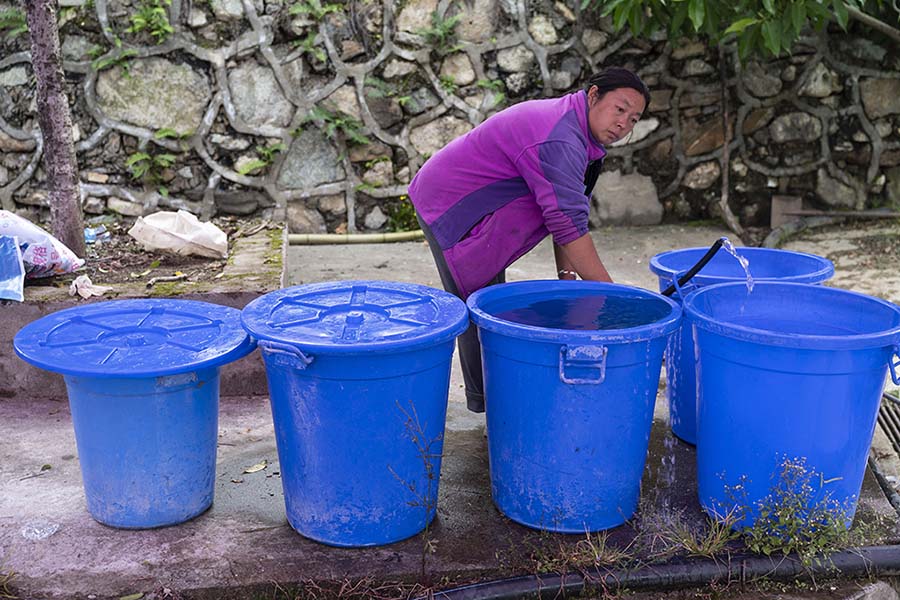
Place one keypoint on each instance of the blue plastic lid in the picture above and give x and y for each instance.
(353, 317)
(134, 338)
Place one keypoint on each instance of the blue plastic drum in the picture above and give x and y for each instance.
(143, 383)
(571, 371)
(790, 374)
(766, 264)
(359, 375)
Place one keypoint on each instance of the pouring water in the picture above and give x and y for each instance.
(745, 264)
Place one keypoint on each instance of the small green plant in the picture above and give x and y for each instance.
(791, 519)
(12, 21)
(441, 35)
(401, 215)
(120, 59)
(349, 127)
(313, 8)
(710, 539)
(448, 84)
(308, 46)
(149, 167)
(152, 17)
(493, 85)
(267, 156)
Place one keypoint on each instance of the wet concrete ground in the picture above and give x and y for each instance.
(244, 542)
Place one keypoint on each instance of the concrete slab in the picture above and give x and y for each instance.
(244, 543)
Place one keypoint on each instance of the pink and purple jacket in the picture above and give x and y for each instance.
(491, 195)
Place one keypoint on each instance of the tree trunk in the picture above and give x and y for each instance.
(55, 121)
(729, 217)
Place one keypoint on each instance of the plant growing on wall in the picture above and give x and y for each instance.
(308, 45)
(337, 122)
(266, 156)
(441, 36)
(12, 22)
(153, 18)
(314, 9)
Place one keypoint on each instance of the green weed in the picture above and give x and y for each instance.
(314, 9)
(334, 123)
(401, 215)
(266, 155)
(441, 36)
(153, 18)
(12, 22)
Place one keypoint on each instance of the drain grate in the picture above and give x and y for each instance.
(889, 419)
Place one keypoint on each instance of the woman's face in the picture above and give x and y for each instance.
(614, 115)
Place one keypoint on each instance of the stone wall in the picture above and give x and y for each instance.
(322, 112)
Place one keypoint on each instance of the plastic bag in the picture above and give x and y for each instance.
(42, 254)
(181, 233)
(12, 271)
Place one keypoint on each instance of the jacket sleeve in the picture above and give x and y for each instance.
(554, 172)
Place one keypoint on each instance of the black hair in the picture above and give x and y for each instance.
(614, 78)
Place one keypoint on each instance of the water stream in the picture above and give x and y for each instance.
(745, 264)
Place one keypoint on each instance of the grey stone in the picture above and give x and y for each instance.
(227, 10)
(880, 97)
(4, 176)
(124, 207)
(431, 137)
(157, 94)
(335, 204)
(257, 97)
(196, 18)
(375, 219)
(619, 199)
(760, 82)
(839, 193)
(703, 175)
(302, 219)
(884, 128)
(478, 20)
(381, 174)
(385, 110)
(458, 67)
(561, 80)
(739, 168)
(861, 49)
(517, 83)
(542, 30)
(343, 100)
(516, 59)
(688, 50)
(689, 99)
(350, 49)
(565, 11)
(398, 68)
(821, 83)
(75, 47)
(310, 161)
(789, 74)
(421, 100)
(403, 175)
(795, 127)
(696, 67)
(93, 206)
(14, 76)
(227, 142)
(416, 16)
(367, 152)
(643, 128)
(593, 40)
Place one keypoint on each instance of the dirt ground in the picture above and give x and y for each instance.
(119, 258)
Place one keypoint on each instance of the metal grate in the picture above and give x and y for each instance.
(889, 419)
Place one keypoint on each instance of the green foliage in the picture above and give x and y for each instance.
(12, 22)
(401, 215)
(153, 18)
(149, 168)
(314, 9)
(349, 127)
(441, 35)
(790, 519)
(308, 46)
(448, 84)
(493, 85)
(120, 59)
(761, 27)
(267, 156)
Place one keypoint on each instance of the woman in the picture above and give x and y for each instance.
(491, 195)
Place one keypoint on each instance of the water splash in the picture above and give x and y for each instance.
(745, 264)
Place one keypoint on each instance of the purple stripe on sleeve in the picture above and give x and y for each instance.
(453, 225)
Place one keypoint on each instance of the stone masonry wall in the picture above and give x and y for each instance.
(321, 112)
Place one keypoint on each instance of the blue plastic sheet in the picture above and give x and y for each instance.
(12, 270)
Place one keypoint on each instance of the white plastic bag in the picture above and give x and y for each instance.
(12, 271)
(181, 233)
(42, 254)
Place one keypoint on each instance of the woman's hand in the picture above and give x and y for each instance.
(579, 256)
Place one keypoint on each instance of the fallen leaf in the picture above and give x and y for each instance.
(137, 596)
(136, 275)
(237, 481)
(257, 467)
(102, 270)
(46, 467)
(154, 264)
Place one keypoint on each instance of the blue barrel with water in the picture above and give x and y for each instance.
(765, 264)
(359, 376)
(788, 374)
(142, 378)
(571, 371)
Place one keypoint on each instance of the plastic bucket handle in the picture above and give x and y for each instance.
(582, 357)
(688, 287)
(285, 354)
(895, 364)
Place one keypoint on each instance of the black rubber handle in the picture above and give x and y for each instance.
(693, 270)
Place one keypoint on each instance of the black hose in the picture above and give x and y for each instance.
(871, 561)
(693, 270)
